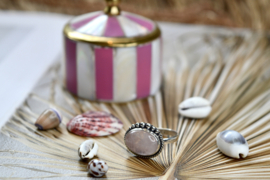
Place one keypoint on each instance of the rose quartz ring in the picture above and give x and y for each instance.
(146, 141)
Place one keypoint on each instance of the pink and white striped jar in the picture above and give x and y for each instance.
(112, 56)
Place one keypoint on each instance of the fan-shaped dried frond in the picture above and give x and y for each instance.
(232, 72)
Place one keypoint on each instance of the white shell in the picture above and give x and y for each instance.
(232, 143)
(88, 149)
(97, 167)
(195, 107)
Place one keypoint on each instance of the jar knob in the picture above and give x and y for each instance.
(112, 8)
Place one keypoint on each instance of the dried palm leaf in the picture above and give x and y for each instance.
(232, 72)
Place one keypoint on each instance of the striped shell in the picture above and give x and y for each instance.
(94, 123)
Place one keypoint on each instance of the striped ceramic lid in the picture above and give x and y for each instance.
(123, 25)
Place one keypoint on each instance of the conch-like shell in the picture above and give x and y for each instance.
(195, 107)
(49, 119)
(232, 143)
(94, 123)
(88, 149)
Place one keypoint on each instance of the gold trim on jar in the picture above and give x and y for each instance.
(111, 41)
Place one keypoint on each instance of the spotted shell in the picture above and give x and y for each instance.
(97, 168)
(94, 123)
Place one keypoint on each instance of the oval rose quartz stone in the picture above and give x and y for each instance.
(141, 142)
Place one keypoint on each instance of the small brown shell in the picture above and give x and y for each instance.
(49, 119)
(94, 123)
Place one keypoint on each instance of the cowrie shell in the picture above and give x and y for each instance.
(97, 168)
(88, 149)
(195, 107)
(232, 143)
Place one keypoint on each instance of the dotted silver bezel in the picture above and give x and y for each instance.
(151, 129)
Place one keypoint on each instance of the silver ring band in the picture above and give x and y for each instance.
(169, 135)
(147, 141)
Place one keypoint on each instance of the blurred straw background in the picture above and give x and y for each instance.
(232, 13)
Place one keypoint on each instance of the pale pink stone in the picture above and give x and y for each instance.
(141, 142)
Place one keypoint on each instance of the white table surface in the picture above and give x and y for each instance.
(29, 44)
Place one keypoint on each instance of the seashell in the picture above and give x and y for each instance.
(232, 143)
(94, 123)
(88, 149)
(97, 167)
(49, 119)
(195, 107)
